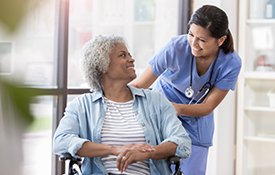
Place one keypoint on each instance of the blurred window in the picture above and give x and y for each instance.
(45, 53)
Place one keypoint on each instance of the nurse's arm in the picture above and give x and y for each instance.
(212, 100)
(146, 79)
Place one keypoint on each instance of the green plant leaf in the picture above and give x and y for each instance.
(12, 12)
(20, 98)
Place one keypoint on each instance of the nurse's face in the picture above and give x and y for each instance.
(203, 45)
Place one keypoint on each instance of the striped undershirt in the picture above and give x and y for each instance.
(121, 127)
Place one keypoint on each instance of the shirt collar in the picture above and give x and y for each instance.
(97, 94)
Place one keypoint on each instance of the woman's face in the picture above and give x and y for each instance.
(203, 45)
(122, 64)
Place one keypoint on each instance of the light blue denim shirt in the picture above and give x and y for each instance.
(84, 117)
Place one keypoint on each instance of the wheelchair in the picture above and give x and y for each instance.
(74, 164)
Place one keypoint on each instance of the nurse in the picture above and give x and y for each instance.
(195, 71)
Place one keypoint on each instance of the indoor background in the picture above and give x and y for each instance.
(44, 53)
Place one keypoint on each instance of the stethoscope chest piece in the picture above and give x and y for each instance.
(189, 92)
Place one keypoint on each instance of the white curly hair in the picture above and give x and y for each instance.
(96, 58)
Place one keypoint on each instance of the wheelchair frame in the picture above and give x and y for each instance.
(175, 161)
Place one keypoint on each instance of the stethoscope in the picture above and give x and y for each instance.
(189, 92)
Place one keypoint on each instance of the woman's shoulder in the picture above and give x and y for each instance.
(147, 93)
(232, 58)
(154, 96)
(180, 40)
(86, 98)
(178, 46)
(150, 92)
(181, 44)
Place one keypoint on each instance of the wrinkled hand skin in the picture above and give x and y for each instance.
(131, 153)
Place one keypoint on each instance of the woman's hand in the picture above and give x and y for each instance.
(130, 156)
(116, 150)
(141, 147)
(132, 153)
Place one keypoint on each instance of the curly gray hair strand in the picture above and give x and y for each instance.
(96, 58)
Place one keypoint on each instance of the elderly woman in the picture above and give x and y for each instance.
(117, 128)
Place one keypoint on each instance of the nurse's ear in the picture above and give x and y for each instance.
(221, 40)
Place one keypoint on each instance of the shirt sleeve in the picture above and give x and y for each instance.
(66, 138)
(163, 59)
(229, 74)
(172, 129)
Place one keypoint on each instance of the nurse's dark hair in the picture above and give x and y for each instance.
(215, 21)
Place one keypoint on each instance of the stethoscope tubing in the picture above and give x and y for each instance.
(189, 92)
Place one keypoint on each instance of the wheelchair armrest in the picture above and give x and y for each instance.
(68, 156)
(175, 161)
(71, 162)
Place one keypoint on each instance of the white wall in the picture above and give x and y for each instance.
(222, 154)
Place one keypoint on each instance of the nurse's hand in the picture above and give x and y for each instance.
(178, 108)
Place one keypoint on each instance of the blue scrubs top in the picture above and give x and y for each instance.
(172, 66)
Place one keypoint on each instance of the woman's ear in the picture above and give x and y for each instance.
(221, 40)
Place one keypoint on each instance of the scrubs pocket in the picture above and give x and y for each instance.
(191, 126)
(205, 130)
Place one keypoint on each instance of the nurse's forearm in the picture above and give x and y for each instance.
(193, 110)
(146, 79)
(212, 100)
